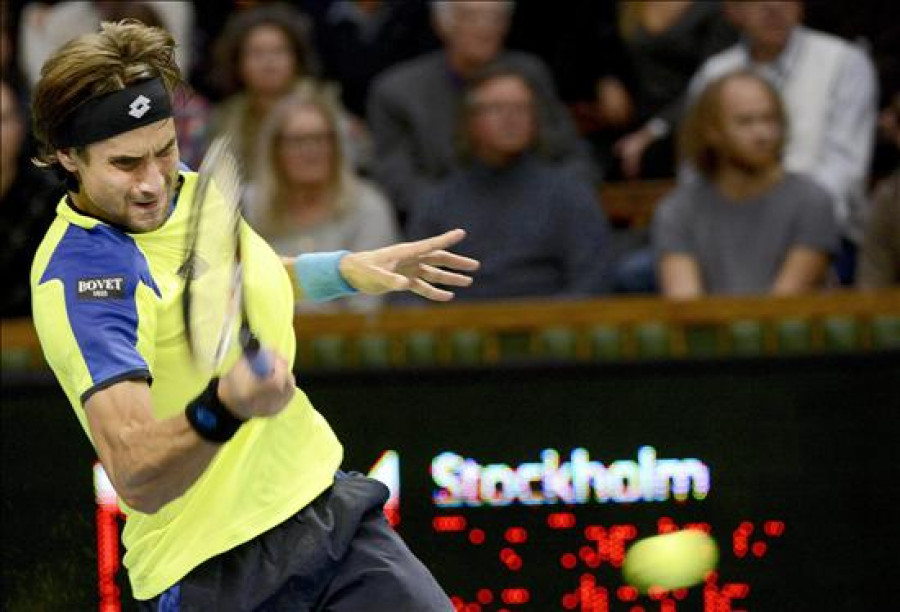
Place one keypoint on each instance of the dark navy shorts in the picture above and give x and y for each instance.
(338, 554)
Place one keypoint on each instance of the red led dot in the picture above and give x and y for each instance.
(569, 601)
(449, 523)
(457, 602)
(586, 552)
(593, 561)
(773, 529)
(516, 535)
(561, 520)
(568, 560)
(514, 563)
(656, 592)
(476, 536)
(627, 593)
(758, 549)
(472, 607)
(745, 528)
(594, 532)
(485, 596)
(515, 596)
(736, 590)
(680, 593)
(506, 553)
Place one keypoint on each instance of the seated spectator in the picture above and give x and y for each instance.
(307, 197)
(879, 260)
(413, 107)
(829, 89)
(46, 26)
(667, 41)
(28, 198)
(745, 224)
(537, 227)
(261, 56)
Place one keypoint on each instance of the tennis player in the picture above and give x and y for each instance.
(232, 485)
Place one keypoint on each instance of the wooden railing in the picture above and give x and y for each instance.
(612, 329)
(631, 203)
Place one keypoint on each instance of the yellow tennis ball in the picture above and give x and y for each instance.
(670, 561)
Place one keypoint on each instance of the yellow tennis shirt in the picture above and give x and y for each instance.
(107, 307)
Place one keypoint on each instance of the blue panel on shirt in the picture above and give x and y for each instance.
(100, 269)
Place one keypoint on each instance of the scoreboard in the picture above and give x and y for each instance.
(522, 488)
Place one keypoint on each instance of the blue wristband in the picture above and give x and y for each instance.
(319, 275)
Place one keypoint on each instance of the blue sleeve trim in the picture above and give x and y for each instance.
(100, 269)
(320, 277)
(140, 374)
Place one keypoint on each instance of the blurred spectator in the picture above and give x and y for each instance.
(358, 39)
(536, 227)
(745, 225)
(879, 260)
(9, 64)
(261, 56)
(413, 107)
(28, 198)
(307, 197)
(667, 41)
(830, 92)
(45, 27)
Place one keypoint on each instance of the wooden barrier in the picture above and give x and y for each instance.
(631, 203)
(610, 329)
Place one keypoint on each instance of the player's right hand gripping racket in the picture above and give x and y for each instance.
(213, 302)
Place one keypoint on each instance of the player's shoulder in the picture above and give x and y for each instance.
(73, 252)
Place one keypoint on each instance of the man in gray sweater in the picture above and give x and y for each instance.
(537, 226)
(413, 108)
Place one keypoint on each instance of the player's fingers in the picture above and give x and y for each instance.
(447, 259)
(419, 248)
(443, 277)
(420, 287)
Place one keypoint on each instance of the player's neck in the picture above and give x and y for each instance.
(739, 184)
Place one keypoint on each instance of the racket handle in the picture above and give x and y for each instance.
(259, 360)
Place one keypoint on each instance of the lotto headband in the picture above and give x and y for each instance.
(114, 113)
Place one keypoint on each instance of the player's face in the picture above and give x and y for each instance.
(750, 131)
(306, 148)
(267, 65)
(129, 179)
(503, 118)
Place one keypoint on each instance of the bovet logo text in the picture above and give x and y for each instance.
(111, 287)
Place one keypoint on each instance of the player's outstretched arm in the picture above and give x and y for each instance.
(408, 266)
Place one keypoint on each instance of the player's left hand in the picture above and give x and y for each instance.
(411, 266)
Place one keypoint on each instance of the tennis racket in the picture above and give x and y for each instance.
(213, 300)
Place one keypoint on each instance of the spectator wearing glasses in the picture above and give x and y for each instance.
(307, 196)
(536, 224)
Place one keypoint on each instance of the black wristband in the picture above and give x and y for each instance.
(210, 418)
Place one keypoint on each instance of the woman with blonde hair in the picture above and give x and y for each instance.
(306, 195)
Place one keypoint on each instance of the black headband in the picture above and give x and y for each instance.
(114, 113)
